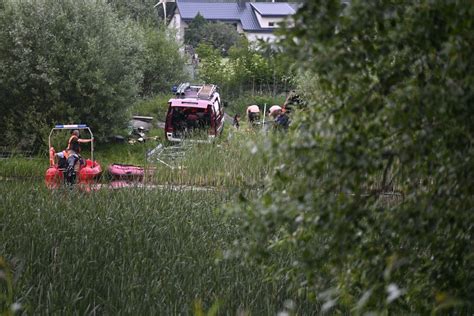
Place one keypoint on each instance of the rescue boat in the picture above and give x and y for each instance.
(126, 172)
(88, 171)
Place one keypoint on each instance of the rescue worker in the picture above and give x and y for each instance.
(73, 150)
(236, 121)
(282, 121)
(253, 114)
(274, 111)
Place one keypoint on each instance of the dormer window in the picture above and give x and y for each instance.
(271, 24)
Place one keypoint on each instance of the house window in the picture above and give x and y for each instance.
(271, 24)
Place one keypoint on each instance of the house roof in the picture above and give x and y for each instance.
(273, 9)
(230, 11)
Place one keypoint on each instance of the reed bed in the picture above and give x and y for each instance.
(23, 167)
(230, 163)
(134, 251)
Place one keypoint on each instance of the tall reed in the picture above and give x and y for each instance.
(139, 251)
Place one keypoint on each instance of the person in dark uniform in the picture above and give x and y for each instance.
(282, 121)
(236, 121)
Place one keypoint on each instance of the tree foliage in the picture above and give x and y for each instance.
(141, 11)
(244, 69)
(63, 63)
(220, 36)
(372, 198)
(162, 63)
(195, 31)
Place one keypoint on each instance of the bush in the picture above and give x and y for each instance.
(67, 62)
(372, 194)
(156, 107)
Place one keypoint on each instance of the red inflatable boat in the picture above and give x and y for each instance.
(126, 172)
(88, 171)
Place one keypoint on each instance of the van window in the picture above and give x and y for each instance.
(189, 118)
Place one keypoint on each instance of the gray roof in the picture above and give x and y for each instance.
(273, 9)
(227, 11)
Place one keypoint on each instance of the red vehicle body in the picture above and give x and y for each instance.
(197, 110)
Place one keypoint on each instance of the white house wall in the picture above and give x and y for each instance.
(264, 21)
(179, 26)
(268, 37)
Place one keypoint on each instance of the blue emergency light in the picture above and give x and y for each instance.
(70, 126)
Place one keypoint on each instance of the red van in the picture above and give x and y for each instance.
(196, 113)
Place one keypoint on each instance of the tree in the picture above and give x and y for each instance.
(370, 205)
(163, 65)
(62, 63)
(141, 11)
(195, 32)
(221, 36)
(212, 68)
(244, 69)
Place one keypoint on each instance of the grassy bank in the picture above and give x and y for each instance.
(229, 162)
(128, 251)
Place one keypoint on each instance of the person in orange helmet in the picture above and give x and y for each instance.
(253, 114)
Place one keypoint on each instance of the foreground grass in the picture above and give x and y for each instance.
(130, 251)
